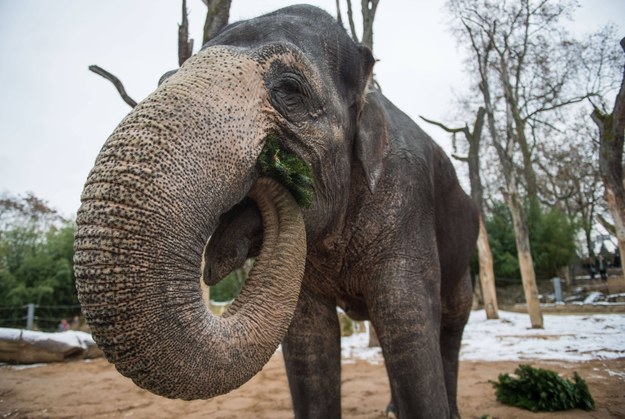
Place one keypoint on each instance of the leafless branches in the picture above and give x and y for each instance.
(368, 10)
(118, 84)
(216, 18)
(185, 45)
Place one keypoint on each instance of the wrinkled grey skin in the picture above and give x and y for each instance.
(388, 237)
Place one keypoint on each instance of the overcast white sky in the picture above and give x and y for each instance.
(55, 114)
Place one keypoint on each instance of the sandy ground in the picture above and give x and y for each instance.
(94, 389)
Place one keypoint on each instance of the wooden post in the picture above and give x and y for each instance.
(30, 316)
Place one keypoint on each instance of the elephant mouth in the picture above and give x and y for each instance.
(239, 233)
(237, 238)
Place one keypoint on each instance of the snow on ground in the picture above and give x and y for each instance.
(69, 338)
(510, 338)
(564, 338)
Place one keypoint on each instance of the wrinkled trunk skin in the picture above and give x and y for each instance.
(177, 162)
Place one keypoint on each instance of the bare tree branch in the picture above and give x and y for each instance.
(606, 224)
(339, 18)
(369, 8)
(350, 18)
(444, 127)
(185, 45)
(464, 159)
(217, 17)
(118, 84)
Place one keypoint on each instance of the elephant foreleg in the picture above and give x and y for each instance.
(410, 340)
(312, 354)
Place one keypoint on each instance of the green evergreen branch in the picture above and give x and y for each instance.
(288, 169)
(538, 389)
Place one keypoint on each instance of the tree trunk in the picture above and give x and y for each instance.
(217, 17)
(487, 277)
(526, 263)
(369, 8)
(185, 45)
(611, 137)
(514, 115)
(511, 195)
(478, 299)
(616, 206)
(374, 342)
(485, 255)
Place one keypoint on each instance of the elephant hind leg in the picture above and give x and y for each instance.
(456, 309)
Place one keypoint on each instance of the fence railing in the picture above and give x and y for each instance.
(40, 317)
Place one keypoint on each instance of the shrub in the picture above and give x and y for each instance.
(538, 389)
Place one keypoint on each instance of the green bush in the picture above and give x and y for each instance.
(537, 389)
(228, 288)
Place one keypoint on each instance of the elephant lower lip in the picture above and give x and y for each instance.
(237, 238)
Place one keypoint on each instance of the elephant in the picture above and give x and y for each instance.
(176, 197)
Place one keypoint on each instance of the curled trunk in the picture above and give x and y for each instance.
(159, 186)
(158, 331)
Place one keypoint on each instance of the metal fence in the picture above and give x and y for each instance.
(41, 317)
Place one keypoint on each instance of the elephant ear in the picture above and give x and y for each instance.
(371, 142)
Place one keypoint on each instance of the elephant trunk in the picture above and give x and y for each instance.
(160, 183)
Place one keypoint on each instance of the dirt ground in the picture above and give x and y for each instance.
(94, 389)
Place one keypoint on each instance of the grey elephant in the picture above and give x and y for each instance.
(387, 237)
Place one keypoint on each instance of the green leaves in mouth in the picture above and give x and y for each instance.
(289, 169)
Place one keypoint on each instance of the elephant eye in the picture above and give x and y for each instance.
(291, 96)
(289, 86)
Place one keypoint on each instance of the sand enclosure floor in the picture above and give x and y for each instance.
(94, 389)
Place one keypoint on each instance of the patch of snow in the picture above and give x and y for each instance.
(22, 366)
(510, 338)
(564, 338)
(356, 347)
(69, 338)
(593, 297)
(619, 374)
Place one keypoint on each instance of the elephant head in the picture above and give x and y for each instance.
(184, 161)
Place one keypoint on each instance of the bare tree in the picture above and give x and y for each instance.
(485, 255)
(339, 16)
(611, 133)
(527, 68)
(350, 19)
(185, 45)
(481, 24)
(570, 177)
(116, 82)
(216, 18)
(368, 9)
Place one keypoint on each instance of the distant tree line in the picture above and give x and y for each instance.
(36, 262)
